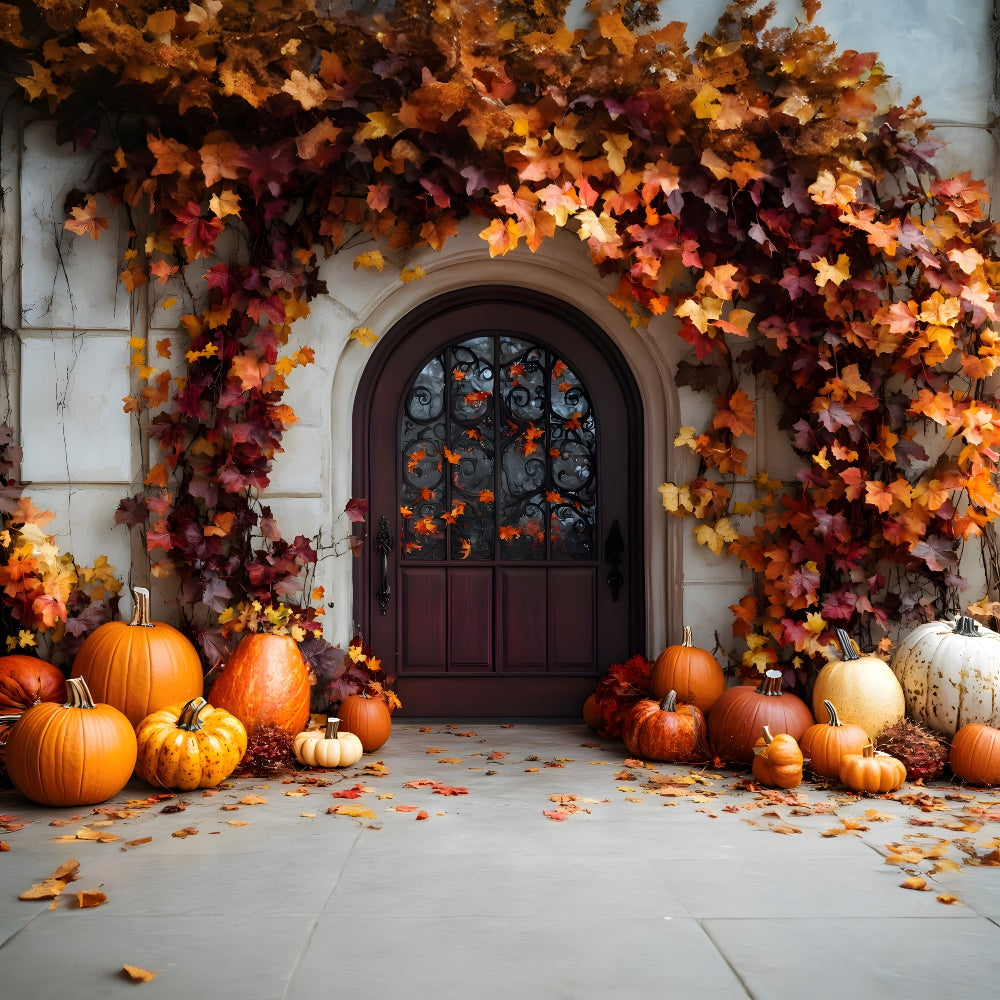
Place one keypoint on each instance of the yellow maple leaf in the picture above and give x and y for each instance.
(616, 145)
(307, 90)
(717, 535)
(371, 260)
(411, 274)
(836, 273)
(364, 335)
(707, 102)
(225, 203)
(675, 498)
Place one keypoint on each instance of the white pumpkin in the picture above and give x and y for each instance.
(327, 747)
(950, 673)
(864, 689)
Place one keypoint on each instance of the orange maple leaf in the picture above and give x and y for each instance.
(86, 220)
(250, 370)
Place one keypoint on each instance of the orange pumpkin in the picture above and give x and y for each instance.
(696, 675)
(826, 743)
(368, 718)
(27, 680)
(975, 754)
(265, 682)
(740, 714)
(777, 760)
(872, 771)
(77, 754)
(665, 730)
(592, 714)
(141, 666)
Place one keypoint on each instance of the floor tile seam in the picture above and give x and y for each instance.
(724, 958)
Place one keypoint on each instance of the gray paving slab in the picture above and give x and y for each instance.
(486, 861)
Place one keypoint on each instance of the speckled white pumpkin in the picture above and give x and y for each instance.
(864, 689)
(950, 673)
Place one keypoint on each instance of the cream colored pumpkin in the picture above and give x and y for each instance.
(950, 674)
(327, 748)
(864, 689)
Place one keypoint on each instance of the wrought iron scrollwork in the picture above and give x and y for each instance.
(383, 545)
(614, 550)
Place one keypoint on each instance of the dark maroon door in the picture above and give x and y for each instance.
(498, 438)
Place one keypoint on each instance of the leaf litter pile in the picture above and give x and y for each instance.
(952, 825)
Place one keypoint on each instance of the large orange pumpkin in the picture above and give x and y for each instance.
(696, 675)
(76, 754)
(740, 714)
(265, 682)
(141, 666)
(27, 680)
(665, 730)
(368, 718)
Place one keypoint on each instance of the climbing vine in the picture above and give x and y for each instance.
(758, 188)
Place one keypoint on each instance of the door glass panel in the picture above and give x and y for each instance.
(497, 446)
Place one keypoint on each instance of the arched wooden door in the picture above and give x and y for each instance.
(498, 438)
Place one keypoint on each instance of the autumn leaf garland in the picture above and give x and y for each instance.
(758, 189)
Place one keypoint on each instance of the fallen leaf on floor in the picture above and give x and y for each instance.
(948, 899)
(359, 812)
(137, 975)
(435, 750)
(386, 795)
(498, 755)
(253, 800)
(436, 787)
(532, 770)
(422, 814)
(174, 807)
(88, 898)
(136, 843)
(87, 833)
(914, 882)
(786, 828)
(187, 831)
(450, 760)
(846, 827)
(559, 815)
(403, 809)
(237, 822)
(376, 769)
(49, 888)
(308, 815)
(4, 846)
(874, 816)
(354, 792)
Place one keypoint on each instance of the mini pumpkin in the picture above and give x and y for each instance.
(695, 674)
(975, 754)
(264, 682)
(368, 718)
(871, 771)
(950, 673)
(76, 754)
(189, 746)
(592, 714)
(777, 760)
(139, 667)
(827, 742)
(327, 747)
(864, 689)
(665, 730)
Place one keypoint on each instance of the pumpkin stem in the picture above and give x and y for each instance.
(79, 693)
(688, 637)
(868, 750)
(771, 684)
(832, 712)
(189, 717)
(966, 626)
(141, 614)
(768, 738)
(669, 703)
(332, 725)
(846, 646)
(8, 720)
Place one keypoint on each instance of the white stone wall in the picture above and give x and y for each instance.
(66, 369)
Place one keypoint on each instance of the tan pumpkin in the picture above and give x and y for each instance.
(327, 747)
(368, 718)
(189, 746)
(739, 715)
(950, 673)
(76, 754)
(864, 689)
(777, 760)
(694, 674)
(141, 666)
(665, 730)
(825, 743)
(871, 771)
(975, 754)
(265, 681)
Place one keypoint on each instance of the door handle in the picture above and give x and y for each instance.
(614, 550)
(383, 545)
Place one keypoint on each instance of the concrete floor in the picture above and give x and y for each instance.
(662, 882)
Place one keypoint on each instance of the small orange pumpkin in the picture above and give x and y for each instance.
(27, 680)
(139, 667)
(665, 730)
(975, 754)
(696, 675)
(77, 754)
(368, 718)
(827, 742)
(592, 714)
(265, 682)
(872, 771)
(777, 760)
